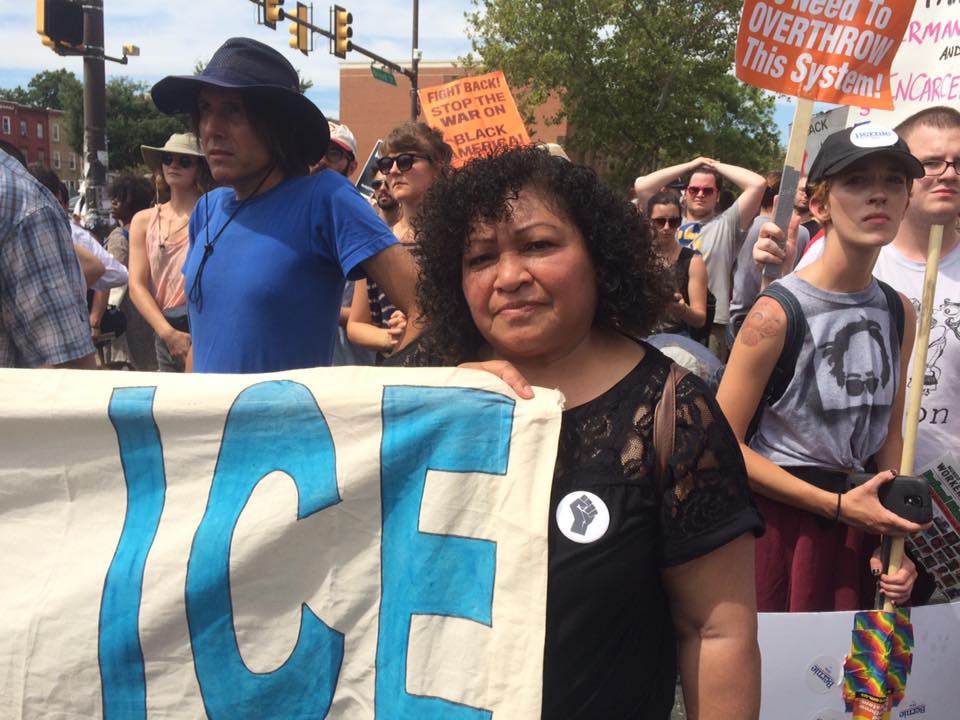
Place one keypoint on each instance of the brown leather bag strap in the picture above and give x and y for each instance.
(665, 424)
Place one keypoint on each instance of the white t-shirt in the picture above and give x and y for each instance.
(939, 429)
(115, 274)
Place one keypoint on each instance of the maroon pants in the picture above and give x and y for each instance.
(806, 563)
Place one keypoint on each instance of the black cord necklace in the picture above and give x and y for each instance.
(196, 289)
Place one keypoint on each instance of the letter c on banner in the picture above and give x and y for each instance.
(452, 430)
(274, 425)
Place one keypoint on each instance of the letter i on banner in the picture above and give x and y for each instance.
(837, 52)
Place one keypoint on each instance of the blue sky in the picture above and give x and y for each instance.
(174, 34)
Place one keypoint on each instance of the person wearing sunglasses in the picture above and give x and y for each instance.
(714, 235)
(689, 310)
(341, 155)
(413, 157)
(387, 206)
(159, 238)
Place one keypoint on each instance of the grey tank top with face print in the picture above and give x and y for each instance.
(836, 409)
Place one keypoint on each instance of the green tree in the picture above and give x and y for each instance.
(53, 88)
(57, 89)
(133, 120)
(641, 83)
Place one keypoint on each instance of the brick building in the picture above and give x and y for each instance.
(371, 108)
(62, 157)
(41, 135)
(27, 128)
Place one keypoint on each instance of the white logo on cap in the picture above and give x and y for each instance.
(871, 135)
(582, 517)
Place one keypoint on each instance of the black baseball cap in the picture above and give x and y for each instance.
(845, 147)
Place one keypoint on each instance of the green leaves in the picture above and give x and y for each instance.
(642, 83)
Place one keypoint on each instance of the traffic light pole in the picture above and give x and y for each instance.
(411, 74)
(94, 117)
(415, 62)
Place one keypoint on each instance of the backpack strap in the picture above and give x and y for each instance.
(786, 365)
(792, 341)
(665, 423)
(895, 304)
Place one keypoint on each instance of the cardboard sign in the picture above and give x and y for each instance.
(476, 115)
(346, 543)
(926, 71)
(803, 657)
(822, 125)
(836, 51)
(369, 172)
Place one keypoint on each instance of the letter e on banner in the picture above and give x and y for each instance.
(837, 52)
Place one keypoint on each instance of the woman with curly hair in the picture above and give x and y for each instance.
(528, 259)
(414, 156)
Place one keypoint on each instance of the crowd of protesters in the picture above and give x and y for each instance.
(241, 255)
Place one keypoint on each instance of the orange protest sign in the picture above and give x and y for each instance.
(836, 51)
(476, 115)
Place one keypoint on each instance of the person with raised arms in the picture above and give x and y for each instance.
(716, 236)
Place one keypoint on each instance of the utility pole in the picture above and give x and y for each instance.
(415, 64)
(94, 118)
(71, 28)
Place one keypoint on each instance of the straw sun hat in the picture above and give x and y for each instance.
(177, 144)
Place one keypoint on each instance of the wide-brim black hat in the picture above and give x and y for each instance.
(246, 64)
(844, 147)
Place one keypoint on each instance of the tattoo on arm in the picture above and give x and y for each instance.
(759, 326)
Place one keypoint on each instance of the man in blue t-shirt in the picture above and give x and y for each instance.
(271, 249)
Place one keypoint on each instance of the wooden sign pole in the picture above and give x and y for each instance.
(893, 547)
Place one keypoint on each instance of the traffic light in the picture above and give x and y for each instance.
(301, 33)
(60, 22)
(342, 32)
(272, 13)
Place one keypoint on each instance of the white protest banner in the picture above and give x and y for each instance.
(803, 656)
(926, 70)
(344, 543)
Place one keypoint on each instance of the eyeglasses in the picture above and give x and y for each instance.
(857, 386)
(697, 190)
(404, 162)
(376, 184)
(335, 153)
(184, 161)
(936, 168)
(670, 222)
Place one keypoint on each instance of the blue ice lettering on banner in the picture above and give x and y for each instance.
(271, 426)
(121, 658)
(446, 429)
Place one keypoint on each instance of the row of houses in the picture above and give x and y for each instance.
(41, 135)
